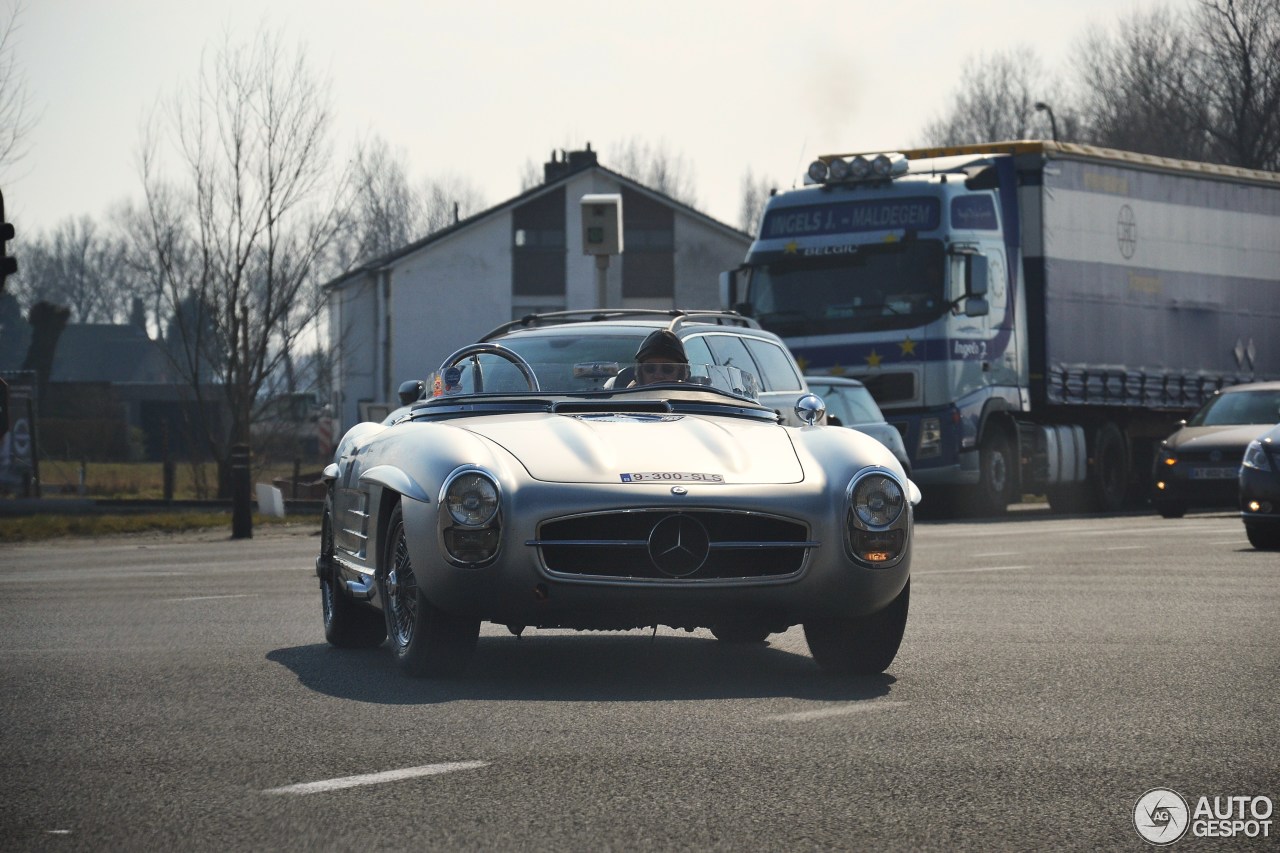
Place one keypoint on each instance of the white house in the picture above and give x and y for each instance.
(398, 317)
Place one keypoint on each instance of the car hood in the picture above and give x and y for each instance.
(1204, 439)
(612, 448)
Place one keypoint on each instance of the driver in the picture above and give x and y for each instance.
(661, 358)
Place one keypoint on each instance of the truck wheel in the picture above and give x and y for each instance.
(997, 469)
(1110, 475)
(862, 646)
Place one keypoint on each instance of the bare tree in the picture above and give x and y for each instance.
(755, 192)
(995, 100)
(447, 200)
(390, 213)
(16, 117)
(387, 213)
(242, 235)
(1140, 87)
(1238, 75)
(530, 175)
(79, 267)
(656, 167)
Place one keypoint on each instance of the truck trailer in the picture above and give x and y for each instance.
(1034, 317)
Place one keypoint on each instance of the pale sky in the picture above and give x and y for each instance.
(478, 88)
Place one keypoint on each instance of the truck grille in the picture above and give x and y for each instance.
(659, 544)
(891, 387)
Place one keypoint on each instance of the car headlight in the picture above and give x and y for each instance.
(930, 438)
(472, 498)
(469, 519)
(1255, 457)
(877, 519)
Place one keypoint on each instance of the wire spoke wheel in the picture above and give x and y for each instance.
(403, 586)
(427, 640)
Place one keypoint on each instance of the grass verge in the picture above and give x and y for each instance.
(36, 528)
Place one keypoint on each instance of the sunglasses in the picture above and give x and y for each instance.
(661, 369)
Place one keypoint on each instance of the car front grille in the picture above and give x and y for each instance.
(659, 544)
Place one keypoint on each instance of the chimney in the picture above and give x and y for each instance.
(567, 163)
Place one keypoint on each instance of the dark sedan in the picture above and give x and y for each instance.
(1260, 490)
(1199, 465)
(850, 404)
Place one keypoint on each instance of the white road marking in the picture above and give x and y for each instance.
(968, 571)
(835, 711)
(998, 554)
(213, 597)
(376, 778)
(1125, 548)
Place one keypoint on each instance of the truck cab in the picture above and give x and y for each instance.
(901, 275)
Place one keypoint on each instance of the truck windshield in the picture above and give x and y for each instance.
(892, 286)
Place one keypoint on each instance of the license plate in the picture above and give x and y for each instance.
(1214, 473)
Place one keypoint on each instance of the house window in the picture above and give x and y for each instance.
(648, 238)
(538, 247)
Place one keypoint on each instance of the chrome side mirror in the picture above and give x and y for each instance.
(810, 409)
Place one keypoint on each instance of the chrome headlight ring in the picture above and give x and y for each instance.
(877, 518)
(470, 516)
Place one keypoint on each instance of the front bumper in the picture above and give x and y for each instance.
(517, 588)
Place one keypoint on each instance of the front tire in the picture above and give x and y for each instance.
(347, 625)
(1264, 537)
(862, 646)
(426, 641)
(1171, 510)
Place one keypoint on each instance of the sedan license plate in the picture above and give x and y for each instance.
(1214, 473)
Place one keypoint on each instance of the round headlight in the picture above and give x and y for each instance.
(860, 167)
(817, 171)
(878, 500)
(472, 499)
(839, 169)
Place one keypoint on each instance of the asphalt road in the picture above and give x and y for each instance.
(177, 694)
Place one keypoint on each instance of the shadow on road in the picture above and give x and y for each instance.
(593, 668)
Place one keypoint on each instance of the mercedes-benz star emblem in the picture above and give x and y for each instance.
(678, 545)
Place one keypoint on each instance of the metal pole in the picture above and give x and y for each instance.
(602, 281)
(1053, 122)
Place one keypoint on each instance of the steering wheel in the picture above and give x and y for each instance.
(473, 350)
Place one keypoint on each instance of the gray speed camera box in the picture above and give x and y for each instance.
(602, 224)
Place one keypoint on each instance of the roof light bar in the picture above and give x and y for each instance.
(862, 167)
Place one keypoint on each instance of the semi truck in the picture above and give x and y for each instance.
(1034, 317)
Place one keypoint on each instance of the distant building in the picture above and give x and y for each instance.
(399, 316)
(113, 393)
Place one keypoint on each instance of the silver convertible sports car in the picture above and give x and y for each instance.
(532, 487)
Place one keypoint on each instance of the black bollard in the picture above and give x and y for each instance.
(241, 506)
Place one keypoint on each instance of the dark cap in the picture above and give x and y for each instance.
(662, 344)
